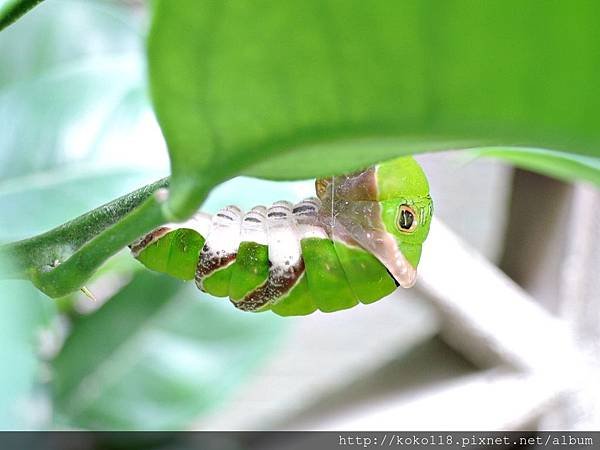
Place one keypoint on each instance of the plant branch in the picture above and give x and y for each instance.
(78, 268)
(14, 9)
(61, 260)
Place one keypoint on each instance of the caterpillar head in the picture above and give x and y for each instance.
(386, 209)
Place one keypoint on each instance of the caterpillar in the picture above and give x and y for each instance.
(355, 242)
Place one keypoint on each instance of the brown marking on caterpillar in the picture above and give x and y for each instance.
(211, 261)
(278, 284)
(139, 245)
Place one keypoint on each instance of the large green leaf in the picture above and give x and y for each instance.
(156, 356)
(241, 86)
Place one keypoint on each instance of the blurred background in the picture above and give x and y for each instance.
(466, 349)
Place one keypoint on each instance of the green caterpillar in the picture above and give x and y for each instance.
(355, 243)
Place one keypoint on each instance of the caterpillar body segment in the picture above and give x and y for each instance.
(355, 243)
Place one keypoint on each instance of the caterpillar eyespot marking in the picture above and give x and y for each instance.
(355, 242)
(407, 220)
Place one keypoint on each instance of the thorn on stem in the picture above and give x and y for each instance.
(88, 294)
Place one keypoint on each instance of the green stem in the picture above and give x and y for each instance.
(61, 260)
(71, 274)
(14, 9)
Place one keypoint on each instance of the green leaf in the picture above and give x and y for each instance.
(252, 86)
(156, 356)
(11, 10)
(561, 165)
